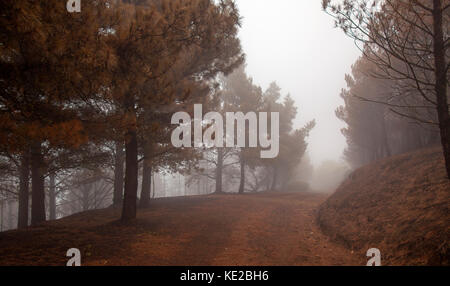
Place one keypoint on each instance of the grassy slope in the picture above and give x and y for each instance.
(400, 205)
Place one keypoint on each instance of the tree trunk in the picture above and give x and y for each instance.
(118, 175)
(131, 176)
(274, 179)
(10, 215)
(1, 215)
(52, 197)
(219, 170)
(37, 186)
(85, 190)
(24, 191)
(144, 201)
(267, 179)
(153, 183)
(387, 149)
(242, 183)
(441, 82)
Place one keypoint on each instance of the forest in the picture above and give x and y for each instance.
(86, 139)
(88, 95)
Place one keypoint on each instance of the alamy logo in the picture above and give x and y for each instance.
(75, 257)
(236, 122)
(375, 257)
(73, 6)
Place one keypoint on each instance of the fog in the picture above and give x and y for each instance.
(224, 132)
(295, 44)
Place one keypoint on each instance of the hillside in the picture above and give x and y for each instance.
(252, 229)
(400, 205)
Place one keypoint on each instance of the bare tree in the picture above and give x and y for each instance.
(408, 41)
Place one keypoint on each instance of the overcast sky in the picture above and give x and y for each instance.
(294, 43)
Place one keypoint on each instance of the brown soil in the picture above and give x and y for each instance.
(254, 229)
(400, 205)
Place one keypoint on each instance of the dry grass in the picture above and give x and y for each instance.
(399, 205)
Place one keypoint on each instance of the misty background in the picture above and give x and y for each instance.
(296, 43)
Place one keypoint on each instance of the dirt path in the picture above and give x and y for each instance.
(262, 229)
(282, 230)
